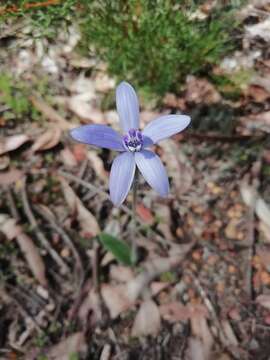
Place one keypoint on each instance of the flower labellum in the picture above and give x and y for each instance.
(133, 144)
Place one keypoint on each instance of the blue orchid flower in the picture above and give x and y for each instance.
(133, 144)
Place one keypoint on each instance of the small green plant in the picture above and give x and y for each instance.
(45, 18)
(155, 42)
(13, 95)
(120, 250)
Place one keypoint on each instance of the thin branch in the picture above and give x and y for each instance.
(30, 216)
(66, 238)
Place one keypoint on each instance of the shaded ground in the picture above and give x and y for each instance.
(201, 287)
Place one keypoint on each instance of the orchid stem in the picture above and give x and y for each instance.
(134, 250)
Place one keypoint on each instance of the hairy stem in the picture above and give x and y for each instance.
(134, 251)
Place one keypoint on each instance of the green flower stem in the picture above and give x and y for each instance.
(134, 248)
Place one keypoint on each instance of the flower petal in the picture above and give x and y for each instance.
(153, 171)
(121, 177)
(127, 106)
(98, 135)
(165, 126)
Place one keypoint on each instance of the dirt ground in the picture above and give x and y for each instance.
(201, 288)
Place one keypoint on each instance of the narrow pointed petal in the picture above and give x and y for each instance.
(121, 177)
(98, 135)
(165, 126)
(127, 106)
(153, 171)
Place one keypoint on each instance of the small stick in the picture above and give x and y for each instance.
(14, 8)
(66, 239)
(11, 204)
(91, 187)
(30, 216)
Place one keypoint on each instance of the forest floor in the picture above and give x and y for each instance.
(201, 289)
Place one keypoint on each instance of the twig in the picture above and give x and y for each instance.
(91, 187)
(95, 266)
(82, 171)
(21, 309)
(66, 238)
(49, 112)
(212, 312)
(30, 216)
(11, 204)
(14, 8)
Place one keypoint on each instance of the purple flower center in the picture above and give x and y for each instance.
(133, 140)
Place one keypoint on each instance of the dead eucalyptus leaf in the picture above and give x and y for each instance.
(9, 227)
(147, 320)
(178, 167)
(97, 164)
(116, 299)
(88, 222)
(49, 139)
(33, 258)
(73, 344)
(11, 176)
(264, 300)
(174, 312)
(10, 143)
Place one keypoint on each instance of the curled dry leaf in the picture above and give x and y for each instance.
(252, 199)
(145, 214)
(32, 257)
(264, 300)
(178, 166)
(10, 143)
(147, 320)
(11, 176)
(49, 139)
(200, 329)
(116, 299)
(97, 164)
(73, 344)
(9, 227)
(91, 306)
(88, 222)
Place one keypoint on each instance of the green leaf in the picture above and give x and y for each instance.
(120, 250)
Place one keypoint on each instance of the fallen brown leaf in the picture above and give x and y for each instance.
(33, 258)
(97, 164)
(10, 143)
(178, 167)
(174, 312)
(264, 300)
(11, 176)
(200, 329)
(49, 139)
(116, 299)
(147, 320)
(10, 228)
(68, 158)
(88, 222)
(145, 214)
(73, 344)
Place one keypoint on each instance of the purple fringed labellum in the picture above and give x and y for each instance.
(133, 145)
(133, 140)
